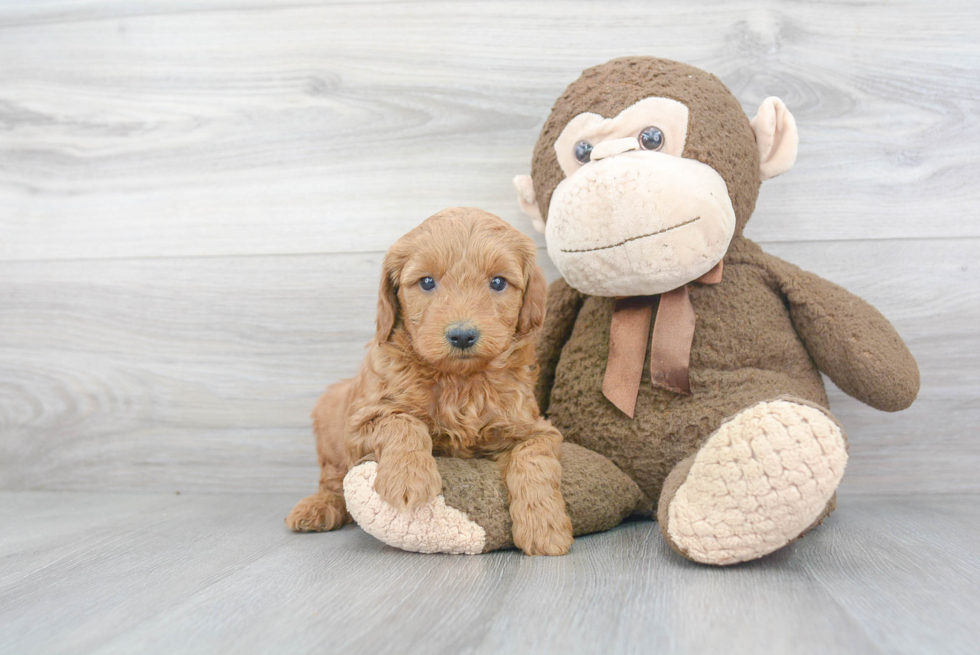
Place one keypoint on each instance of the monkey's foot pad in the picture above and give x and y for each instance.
(431, 528)
(762, 479)
(472, 516)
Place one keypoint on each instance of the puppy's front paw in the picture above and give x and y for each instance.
(541, 532)
(407, 480)
(318, 513)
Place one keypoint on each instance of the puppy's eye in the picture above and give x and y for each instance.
(651, 138)
(498, 284)
(583, 152)
(427, 284)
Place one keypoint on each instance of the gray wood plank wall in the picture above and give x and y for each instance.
(195, 197)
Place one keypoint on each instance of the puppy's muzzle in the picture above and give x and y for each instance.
(462, 336)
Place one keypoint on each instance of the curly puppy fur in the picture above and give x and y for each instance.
(417, 395)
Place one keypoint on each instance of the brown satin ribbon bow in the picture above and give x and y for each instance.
(670, 346)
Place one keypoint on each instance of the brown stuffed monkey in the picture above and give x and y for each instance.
(680, 361)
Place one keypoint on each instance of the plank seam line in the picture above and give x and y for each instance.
(40, 260)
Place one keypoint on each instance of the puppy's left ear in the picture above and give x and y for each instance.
(531, 317)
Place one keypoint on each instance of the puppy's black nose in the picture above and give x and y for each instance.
(462, 336)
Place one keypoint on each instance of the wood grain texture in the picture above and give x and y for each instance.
(204, 128)
(932, 539)
(219, 573)
(199, 373)
(195, 196)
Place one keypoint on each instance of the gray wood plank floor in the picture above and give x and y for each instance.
(219, 573)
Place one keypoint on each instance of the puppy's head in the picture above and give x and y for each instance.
(465, 287)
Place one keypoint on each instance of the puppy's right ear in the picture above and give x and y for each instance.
(388, 297)
(532, 313)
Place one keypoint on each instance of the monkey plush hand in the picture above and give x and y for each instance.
(674, 347)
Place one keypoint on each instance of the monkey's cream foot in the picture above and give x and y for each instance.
(430, 528)
(761, 480)
(471, 516)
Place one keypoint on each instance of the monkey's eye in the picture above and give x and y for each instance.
(498, 283)
(583, 152)
(651, 138)
(427, 284)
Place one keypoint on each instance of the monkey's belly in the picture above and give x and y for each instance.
(668, 427)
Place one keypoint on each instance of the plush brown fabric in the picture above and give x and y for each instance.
(761, 333)
(748, 347)
(718, 135)
(848, 339)
(598, 496)
(764, 332)
(563, 306)
(477, 489)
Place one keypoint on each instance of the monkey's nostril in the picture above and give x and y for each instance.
(462, 337)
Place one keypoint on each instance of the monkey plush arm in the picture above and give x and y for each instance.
(848, 339)
(564, 303)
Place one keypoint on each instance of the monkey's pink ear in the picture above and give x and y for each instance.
(527, 201)
(776, 136)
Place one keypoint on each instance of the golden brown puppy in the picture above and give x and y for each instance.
(451, 372)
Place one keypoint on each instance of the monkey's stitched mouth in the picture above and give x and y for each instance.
(641, 236)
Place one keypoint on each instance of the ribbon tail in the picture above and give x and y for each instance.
(670, 346)
(627, 350)
(714, 275)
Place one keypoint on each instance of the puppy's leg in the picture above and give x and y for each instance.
(325, 510)
(532, 473)
(407, 473)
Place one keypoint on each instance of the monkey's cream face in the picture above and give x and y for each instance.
(632, 216)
